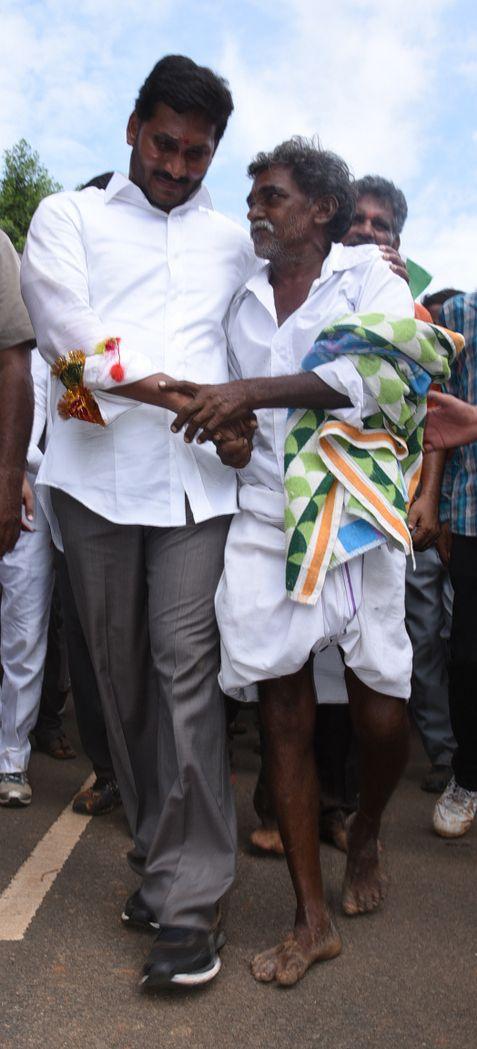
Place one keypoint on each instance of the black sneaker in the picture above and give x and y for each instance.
(137, 915)
(182, 957)
(99, 799)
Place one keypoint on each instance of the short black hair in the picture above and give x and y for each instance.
(437, 298)
(317, 172)
(186, 87)
(383, 189)
(99, 181)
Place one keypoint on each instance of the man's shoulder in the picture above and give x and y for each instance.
(362, 256)
(229, 227)
(8, 254)
(460, 314)
(65, 204)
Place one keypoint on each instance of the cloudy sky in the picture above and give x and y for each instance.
(389, 84)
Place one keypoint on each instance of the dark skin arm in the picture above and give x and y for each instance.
(423, 519)
(233, 440)
(210, 407)
(16, 417)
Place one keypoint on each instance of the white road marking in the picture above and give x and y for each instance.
(21, 899)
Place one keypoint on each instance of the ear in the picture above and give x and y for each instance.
(132, 129)
(324, 209)
(396, 243)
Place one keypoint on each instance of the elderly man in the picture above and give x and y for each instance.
(123, 284)
(301, 202)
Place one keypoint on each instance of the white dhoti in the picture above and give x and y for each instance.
(267, 635)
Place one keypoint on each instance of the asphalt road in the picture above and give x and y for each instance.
(406, 978)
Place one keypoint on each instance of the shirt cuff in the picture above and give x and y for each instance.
(111, 369)
(343, 377)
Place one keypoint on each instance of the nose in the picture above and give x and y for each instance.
(255, 211)
(176, 165)
(368, 230)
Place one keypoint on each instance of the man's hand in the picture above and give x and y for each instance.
(210, 406)
(235, 452)
(396, 263)
(423, 522)
(28, 504)
(444, 544)
(10, 508)
(450, 422)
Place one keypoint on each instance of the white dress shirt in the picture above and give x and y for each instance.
(352, 280)
(106, 263)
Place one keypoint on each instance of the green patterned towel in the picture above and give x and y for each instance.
(348, 490)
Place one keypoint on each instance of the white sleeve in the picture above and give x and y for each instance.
(39, 372)
(54, 283)
(381, 291)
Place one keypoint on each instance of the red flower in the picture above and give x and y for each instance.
(117, 372)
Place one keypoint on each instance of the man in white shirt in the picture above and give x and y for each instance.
(123, 285)
(301, 202)
(26, 578)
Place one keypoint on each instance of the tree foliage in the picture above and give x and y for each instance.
(24, 182)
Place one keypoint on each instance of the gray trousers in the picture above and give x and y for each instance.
(428, 619)
(145, 599)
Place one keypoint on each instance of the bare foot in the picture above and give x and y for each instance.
(288, 961)
(267, 839)
(364, 885)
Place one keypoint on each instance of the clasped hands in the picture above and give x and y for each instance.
(218, 413)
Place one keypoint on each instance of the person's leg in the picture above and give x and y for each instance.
(48, 731)
(288, 710)
(86, 698)
(106, 566)
(191, 859)
(425, 622)
(463, 661)
(265, 838)
(382, 729)
(26, 576)
(378, 656)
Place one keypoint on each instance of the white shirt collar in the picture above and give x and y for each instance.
(120, 186)
(338, 259)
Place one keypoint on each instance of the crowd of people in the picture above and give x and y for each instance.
(225, 478)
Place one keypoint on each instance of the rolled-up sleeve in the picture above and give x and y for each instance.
(54, 284)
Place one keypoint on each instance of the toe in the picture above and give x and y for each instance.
(264, 965)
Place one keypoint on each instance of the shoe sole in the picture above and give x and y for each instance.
(197, 979)
(15, 802)
(444, 833)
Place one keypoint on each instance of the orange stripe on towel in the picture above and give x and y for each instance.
(393, 520)
(322, 541)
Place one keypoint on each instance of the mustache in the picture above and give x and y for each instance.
(261, 224)
(182, 181)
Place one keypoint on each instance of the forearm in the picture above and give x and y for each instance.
(431, 475)
(16, 408)
(304, 390)
(149, 391)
